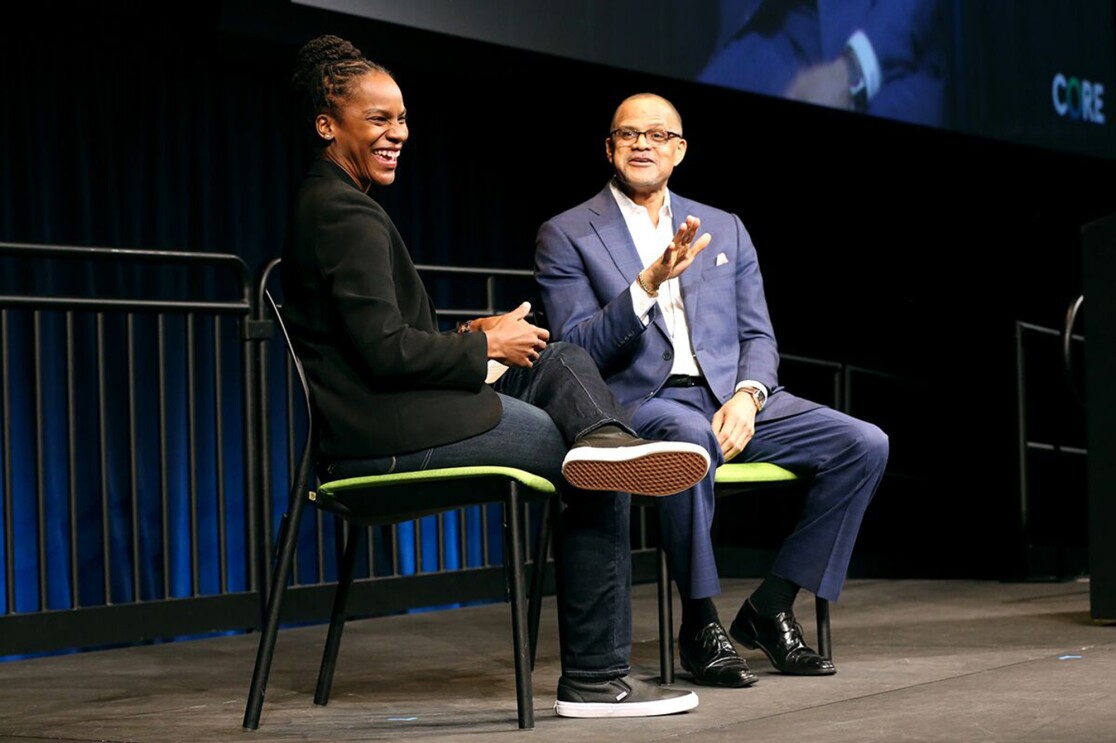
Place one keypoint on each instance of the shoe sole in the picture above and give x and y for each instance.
(647, 469)
(627, 709)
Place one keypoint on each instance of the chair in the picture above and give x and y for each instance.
(731, 479)
(388, 499)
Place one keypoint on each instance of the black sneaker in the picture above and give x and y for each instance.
(613, 459)
(620, 697)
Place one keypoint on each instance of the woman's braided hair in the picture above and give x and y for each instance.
(325, 71)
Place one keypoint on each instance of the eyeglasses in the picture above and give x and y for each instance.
(628, 136)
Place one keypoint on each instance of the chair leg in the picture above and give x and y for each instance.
(513, 567)
(270, 633)
(825, 646)
(666, 622)
(338, 540)
(538, 579)
(353, 539)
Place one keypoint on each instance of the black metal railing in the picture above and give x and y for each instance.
(125, 406)
(149, 443)
(1051, 450)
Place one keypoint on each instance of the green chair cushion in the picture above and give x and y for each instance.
(402, 496)
(335, 487)
(752, 472)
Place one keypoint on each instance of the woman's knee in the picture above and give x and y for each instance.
(527, 432)
(562, 349)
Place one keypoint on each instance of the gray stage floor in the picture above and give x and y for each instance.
(917, 660)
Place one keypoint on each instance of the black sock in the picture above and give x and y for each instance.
(774, 595)
(698, 613)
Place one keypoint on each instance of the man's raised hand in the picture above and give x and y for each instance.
(678, 256)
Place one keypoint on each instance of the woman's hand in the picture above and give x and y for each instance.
(511, 339)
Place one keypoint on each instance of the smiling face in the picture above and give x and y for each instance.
(365, 131)
(641, 167)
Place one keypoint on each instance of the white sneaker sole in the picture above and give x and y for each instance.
(656, 468)
(671, 706)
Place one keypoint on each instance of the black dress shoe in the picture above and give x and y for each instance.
(780, 638)
(712, 660)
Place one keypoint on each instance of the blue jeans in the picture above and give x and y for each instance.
(545, 408)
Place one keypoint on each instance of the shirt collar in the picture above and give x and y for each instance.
(627, 206)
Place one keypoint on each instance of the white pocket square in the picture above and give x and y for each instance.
(722, 259)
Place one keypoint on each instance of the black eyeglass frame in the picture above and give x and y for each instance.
(648, 133)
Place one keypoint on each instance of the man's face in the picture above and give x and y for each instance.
(643, 166)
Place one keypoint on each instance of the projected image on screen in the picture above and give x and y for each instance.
(1028, 71)
(885, 58)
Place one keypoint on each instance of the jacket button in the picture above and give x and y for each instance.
(667, 356)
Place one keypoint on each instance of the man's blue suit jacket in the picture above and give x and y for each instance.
(585, 262)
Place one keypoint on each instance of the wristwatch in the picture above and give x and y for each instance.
(757, 394)
(858, 86)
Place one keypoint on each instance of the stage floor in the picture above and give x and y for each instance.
(917, 661)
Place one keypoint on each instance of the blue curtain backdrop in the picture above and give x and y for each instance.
(117, 507)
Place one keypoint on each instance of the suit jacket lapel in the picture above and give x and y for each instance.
(609, 224)
(690, 280)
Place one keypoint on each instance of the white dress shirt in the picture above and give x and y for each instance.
(650, 242)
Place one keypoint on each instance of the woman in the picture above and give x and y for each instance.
(395, 394)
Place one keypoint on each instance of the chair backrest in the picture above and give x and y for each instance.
(305, 465)
(291, 351)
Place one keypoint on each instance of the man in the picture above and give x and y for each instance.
(683, 338)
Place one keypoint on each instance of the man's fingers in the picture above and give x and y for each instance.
(668, 254)
(692, 225)
(683, 238)
(685, 234)
(735, 434)
(696, 247)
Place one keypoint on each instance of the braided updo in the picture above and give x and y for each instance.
(325, 71)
